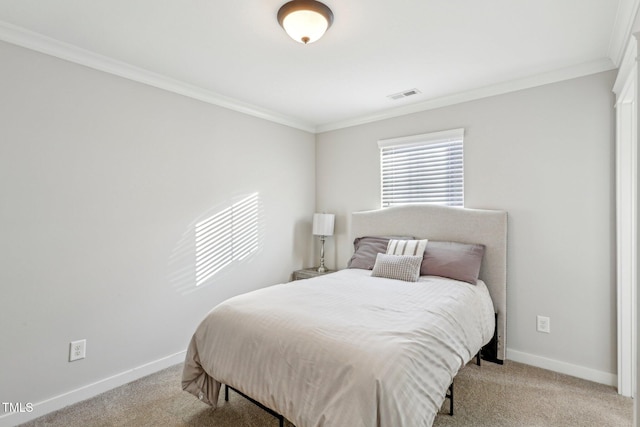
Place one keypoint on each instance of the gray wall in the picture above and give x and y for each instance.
(546, 155)
(101, 182)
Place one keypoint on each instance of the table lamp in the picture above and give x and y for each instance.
(323, 227)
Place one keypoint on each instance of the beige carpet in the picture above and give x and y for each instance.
(512, 395)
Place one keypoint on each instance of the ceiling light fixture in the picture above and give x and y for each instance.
(305, 20)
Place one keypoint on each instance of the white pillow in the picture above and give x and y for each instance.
(399, 267)
(406, 247)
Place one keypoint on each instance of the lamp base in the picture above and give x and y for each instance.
(322, 268)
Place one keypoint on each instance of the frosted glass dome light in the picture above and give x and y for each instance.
(305, 20)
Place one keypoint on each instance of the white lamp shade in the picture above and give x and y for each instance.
(305, 26)
(323, 224)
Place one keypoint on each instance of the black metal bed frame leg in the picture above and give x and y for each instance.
(449, 395)
(255, 402)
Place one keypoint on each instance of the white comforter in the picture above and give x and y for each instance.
(344, 349)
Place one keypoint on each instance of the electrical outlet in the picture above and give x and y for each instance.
(543, 324)
(77, 350)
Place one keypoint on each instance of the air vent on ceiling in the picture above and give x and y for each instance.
(404, 94)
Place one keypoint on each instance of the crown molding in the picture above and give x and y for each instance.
(34, 41)
(31, 40)
(627, 65)
(622, 28)
(582, 70)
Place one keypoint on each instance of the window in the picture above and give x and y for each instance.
(423, 169)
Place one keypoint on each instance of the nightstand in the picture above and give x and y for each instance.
(308, 273)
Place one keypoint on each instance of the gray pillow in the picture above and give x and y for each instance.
(366, 248)
(459, 261)
(399, 267)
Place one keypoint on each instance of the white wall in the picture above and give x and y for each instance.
(101, 182)
(546, 155)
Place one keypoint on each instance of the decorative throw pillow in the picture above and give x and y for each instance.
(399, 267)
(406, 247)
(366, 248)
(459, 261)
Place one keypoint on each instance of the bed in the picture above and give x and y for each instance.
(356, 347)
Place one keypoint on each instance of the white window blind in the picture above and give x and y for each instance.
(425, 168)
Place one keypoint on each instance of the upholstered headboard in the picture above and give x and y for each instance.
(434, 222)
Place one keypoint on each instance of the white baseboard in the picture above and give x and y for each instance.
(90, 390)
(563, 367)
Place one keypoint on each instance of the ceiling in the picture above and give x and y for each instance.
(234, 53)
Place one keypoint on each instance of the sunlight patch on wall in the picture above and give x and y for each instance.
(215, 244)
(229, 235)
